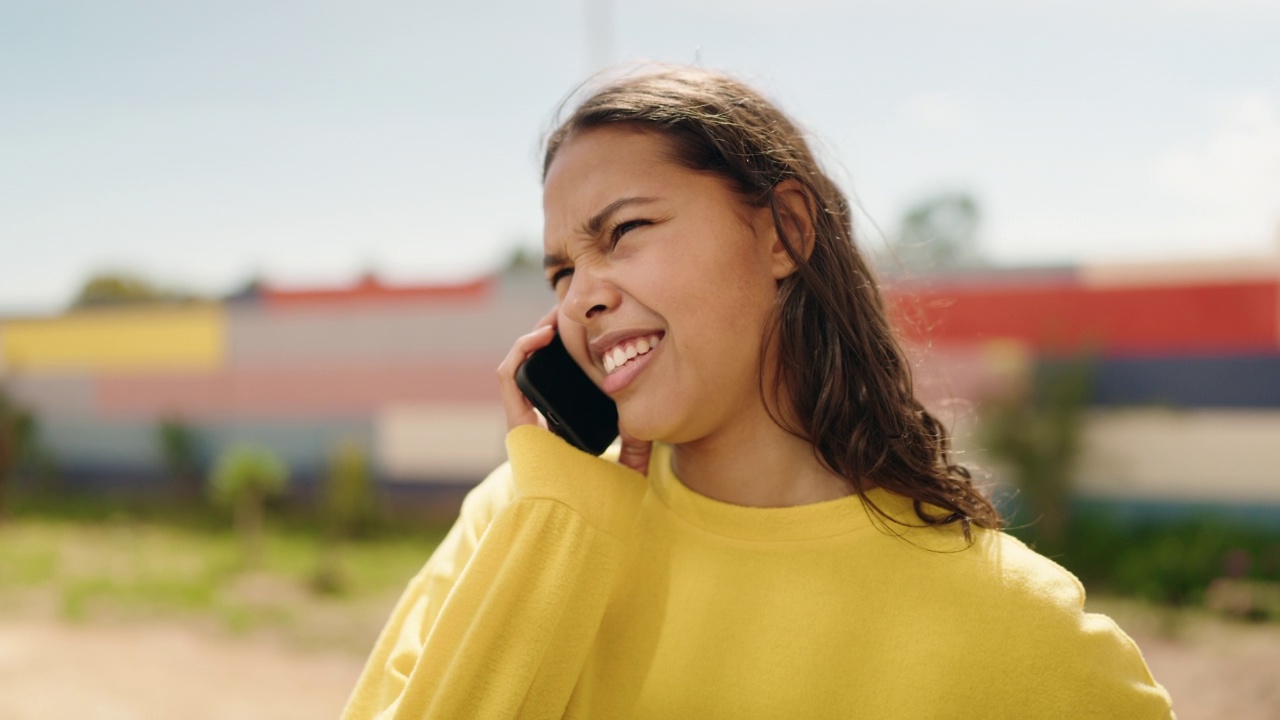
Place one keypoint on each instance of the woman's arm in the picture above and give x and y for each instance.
(400, 643)
(501, 621)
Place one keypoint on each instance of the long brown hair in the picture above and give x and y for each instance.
(842, 374)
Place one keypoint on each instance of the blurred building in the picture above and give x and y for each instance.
(1186, 407)
(406, 371)
(1185, 365)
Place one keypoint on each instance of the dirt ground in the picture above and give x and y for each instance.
(50, 670)
(1217, 670)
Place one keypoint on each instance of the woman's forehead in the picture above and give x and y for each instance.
(601, 166)
(610, 150)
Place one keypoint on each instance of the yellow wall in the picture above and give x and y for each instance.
(157, 338)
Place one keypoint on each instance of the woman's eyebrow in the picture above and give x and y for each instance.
(593, 226)
(556, 260)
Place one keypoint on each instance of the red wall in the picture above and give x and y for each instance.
(370, 289)
(1064, 315)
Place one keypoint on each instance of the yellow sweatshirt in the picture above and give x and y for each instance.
(574, 587)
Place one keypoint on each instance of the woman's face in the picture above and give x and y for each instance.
(665, 280)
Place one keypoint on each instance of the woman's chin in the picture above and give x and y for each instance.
(646, 429)
(630, 432)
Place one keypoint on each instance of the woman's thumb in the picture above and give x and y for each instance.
(635, 454)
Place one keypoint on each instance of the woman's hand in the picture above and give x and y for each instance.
(518, 409)
(635, 453)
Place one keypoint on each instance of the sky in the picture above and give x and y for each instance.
(203, 143)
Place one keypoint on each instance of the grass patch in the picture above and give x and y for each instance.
(123, 568)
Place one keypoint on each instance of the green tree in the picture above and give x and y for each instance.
(17, 436)
(242, 479)
(522, 259)
(118, 288)
(346, 505)
(938, 233)
(347, 502)
(249, 289)
(180, 452)
(1038, 433)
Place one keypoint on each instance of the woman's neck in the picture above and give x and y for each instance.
(756, 464)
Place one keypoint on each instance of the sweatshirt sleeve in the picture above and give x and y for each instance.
(500, 621)
(400, 642)
(1058, 660)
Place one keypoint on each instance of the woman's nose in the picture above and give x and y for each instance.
(590, 295)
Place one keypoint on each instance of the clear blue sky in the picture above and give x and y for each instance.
(202, 142)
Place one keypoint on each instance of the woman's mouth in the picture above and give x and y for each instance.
(625, 352)
(624, 361)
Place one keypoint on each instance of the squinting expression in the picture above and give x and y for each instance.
(665, 280)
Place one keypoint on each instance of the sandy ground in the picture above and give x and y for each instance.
(50, 670)
(1218, 670)
(54, 671)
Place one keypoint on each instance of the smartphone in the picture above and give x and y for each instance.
(574, 407)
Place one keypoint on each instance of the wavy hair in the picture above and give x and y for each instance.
(843, 378)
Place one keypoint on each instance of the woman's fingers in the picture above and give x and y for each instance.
(635, 453)
(518, 409)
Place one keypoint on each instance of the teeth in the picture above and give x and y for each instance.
(620, 354)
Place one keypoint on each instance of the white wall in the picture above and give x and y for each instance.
(457, 443)
(1189, 455)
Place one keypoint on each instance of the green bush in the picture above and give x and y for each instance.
(180, 452)
(347, 508)
(347, 503)
(243, 478)
(1037, 432)
(1170, 562)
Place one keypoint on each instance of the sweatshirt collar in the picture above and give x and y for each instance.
(800, 522)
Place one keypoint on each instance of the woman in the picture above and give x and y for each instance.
(782, 532)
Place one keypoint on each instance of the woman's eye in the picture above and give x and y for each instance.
(623, 228)
(559, 275)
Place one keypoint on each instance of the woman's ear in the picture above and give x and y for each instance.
(794, 209)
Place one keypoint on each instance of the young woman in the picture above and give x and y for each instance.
(782, 533)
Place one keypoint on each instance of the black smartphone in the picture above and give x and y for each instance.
(574, 407)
